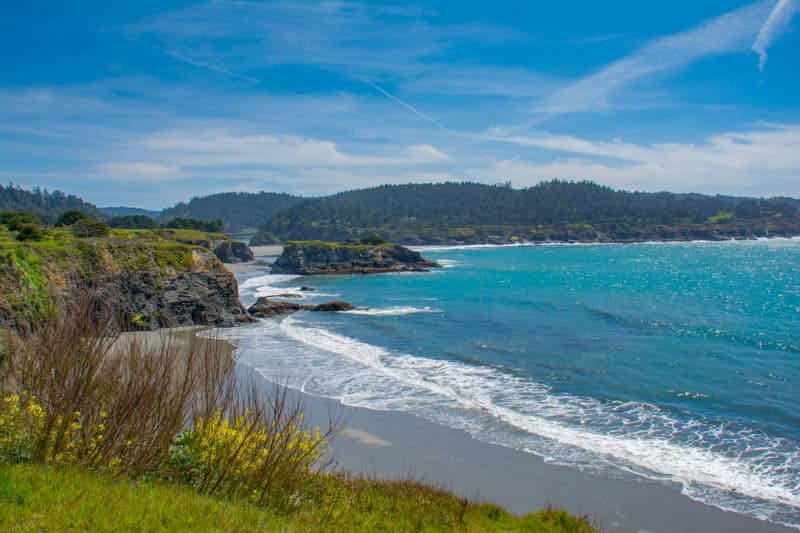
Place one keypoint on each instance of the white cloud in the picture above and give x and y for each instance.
(778, 19)
(218, 148)
(138, 171)
(765, 161)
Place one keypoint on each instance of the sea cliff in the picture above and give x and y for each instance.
(365, 256)
(148, 281)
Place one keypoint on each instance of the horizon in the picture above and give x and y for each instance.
(155, 103)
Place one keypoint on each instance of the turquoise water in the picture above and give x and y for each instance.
(676, 362)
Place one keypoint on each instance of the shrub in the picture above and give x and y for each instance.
(14, 219)
(77, 391)
(264, 455)
(217, 226)
(89, 228)
(133, 222)
(70, 217)
(30, 232)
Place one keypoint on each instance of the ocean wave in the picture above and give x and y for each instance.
(727, 465)
(266, 280)
(392, 311)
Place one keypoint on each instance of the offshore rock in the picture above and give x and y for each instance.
(308, 258)
(265, 308)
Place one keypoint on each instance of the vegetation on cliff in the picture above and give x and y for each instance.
(155, 276)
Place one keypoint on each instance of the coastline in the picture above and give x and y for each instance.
(388, 444)
(391, 445)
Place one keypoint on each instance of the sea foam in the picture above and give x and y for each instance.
(713, 462)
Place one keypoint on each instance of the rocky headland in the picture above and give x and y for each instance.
(146, 280)
(366, 256)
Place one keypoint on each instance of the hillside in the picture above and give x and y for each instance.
(46, 205)
(556, 210)
(238, 210)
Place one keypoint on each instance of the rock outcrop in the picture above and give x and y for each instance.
(148, 284)
(309, 258)
(226, 250)
(265, 308)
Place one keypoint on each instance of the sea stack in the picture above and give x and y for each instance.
(365, 256)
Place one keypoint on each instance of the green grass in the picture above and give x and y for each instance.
(46, 498)
(38, 498)
(721, 217)
(341, 245)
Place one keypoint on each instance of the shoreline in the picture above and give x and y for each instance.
(390, 444)
(530, 244)
(393, 444)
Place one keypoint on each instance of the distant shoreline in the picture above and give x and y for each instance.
(436, 247)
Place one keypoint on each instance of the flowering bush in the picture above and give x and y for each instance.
(27, 433)
(248, 457)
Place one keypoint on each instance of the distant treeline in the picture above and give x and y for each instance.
(448, 212)
(553, 210)
(44, 204)
(238, 210)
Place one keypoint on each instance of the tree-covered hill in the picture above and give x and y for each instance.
(554, 210)
(238, 210)
(46, 205)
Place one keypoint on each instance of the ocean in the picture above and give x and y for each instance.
(677, 362)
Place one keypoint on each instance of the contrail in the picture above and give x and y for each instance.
(215, 68)
(410, 108)
(781, 14)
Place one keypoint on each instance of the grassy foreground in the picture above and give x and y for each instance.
(51, 498)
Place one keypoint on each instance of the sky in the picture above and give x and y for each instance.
(149, 103)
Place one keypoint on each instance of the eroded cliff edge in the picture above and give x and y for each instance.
(148, 281)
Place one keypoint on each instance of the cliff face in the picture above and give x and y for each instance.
(226, 250)
(149, 284)
(316, 257)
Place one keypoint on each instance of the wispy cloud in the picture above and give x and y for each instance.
(357, 39)
(778, 19)
(762, 161)
(730, 32)
(220, 148)
(410, 107)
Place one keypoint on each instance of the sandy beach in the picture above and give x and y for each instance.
(399, 445)
(393, 444)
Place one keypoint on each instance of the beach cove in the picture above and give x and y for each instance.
(389, 443)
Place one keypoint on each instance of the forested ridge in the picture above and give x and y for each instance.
(45, 204)
(554, 210)
(238, 210)
(465, 212)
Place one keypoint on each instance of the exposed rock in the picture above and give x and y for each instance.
(317, 257)
(264, 307)
(226, 250)
(307, 289)
(147, 284)
(333, 306)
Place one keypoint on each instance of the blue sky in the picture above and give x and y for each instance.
(148, 103)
